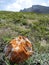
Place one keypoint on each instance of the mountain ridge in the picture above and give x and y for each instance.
(37, 9)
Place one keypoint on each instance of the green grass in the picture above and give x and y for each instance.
(32, 25)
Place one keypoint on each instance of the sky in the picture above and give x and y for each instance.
(17, 5)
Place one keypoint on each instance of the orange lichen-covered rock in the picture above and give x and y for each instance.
(19, 49)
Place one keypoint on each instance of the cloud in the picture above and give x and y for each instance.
(13, 7)
(26, 3)
(19, 4)
(44, 4)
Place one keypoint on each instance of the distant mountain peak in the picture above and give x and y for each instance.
(37, 9)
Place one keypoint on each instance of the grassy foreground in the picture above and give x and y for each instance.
(32, 25)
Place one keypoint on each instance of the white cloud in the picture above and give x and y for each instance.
(19, 4)
(44, 4)
(13, 7)
(26, 3)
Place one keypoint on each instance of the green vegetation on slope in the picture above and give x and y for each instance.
(32, 25)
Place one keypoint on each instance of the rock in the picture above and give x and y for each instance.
(18, 49)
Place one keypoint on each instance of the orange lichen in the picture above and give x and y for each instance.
(19, 49)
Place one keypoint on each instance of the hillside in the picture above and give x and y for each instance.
(32, 25)
(37, 9)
